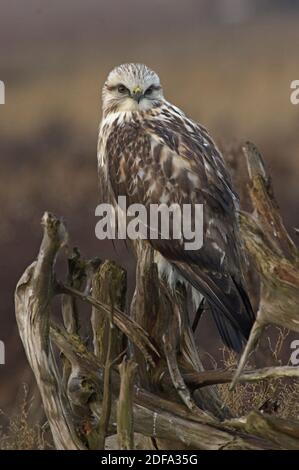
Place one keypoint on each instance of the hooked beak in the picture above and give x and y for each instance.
(137, 94)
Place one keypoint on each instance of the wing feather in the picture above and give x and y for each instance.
(162, 156)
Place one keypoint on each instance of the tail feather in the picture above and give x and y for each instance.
(230, 305)
(230, 336)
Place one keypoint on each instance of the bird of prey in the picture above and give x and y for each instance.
(150, 152)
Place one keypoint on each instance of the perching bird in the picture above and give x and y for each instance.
(150, 152)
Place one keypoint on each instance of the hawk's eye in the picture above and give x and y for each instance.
(122, 89)
(150, 90)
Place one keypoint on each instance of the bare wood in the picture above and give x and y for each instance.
(262, 196)
(32, 301)
(273, 253)
(194, 435)
(222, 376)
(145, 304)
(164, 315)
(76, 277)
(176, 376)
(108, 286)
(106, 403)
(70, 315)
(130, 328)
(125, 426)
(251, 344)
(154, 416)
(285, 433)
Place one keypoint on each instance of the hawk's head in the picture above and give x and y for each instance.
(131, 87)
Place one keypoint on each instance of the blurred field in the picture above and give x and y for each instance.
(233, 78)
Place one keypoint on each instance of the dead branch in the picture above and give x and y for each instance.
(108, 286)
(131, 329)
(106, 402)
(274, 255)
(152, 414)
(125, 427)
(169, 394)
(165, 316)
(158, 410)
(33, 297)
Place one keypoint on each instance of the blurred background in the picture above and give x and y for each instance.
(228, 64)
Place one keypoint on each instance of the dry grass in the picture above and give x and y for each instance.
(276, 396)
(20, 434)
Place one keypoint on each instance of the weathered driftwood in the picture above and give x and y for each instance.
(165, 315)
(157, 411)
(274, 254)
(125, 420)
(130, 328)
(152, 414)
(108, 286)
(169, 393)
(33, 303)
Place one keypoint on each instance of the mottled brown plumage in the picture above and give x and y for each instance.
(152, 154)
